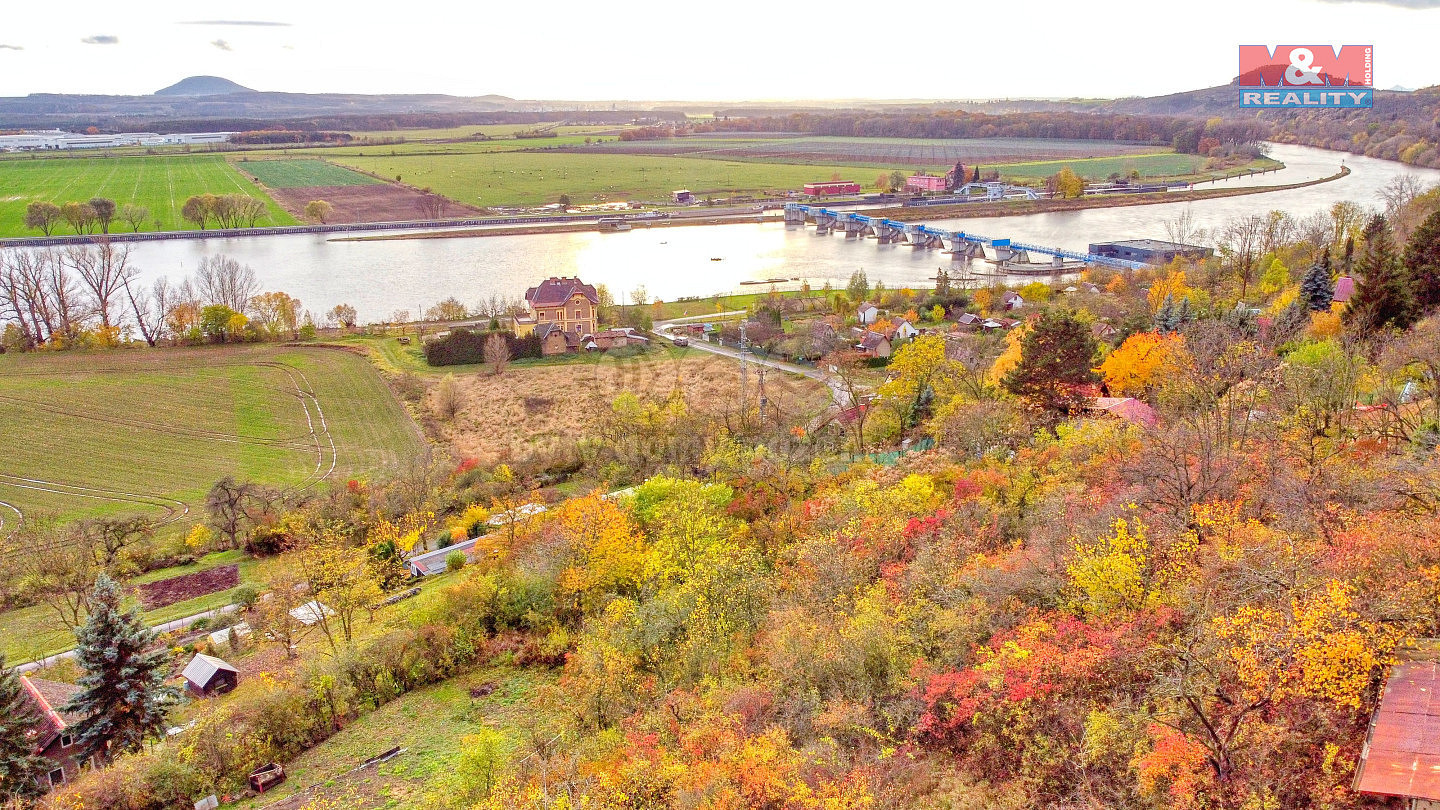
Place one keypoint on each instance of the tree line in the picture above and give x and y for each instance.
(85, 217)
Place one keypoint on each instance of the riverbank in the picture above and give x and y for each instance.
(899, 213)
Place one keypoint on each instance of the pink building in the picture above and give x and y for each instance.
(925, 182)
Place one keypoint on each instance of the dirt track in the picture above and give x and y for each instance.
(380, 202)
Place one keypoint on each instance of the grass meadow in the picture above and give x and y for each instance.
(530, 178)
(151, 431)
(161, 183)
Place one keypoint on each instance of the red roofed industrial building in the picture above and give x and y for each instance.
(1401, 756)
(837, 187)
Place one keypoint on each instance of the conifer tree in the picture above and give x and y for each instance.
(123, 696)
(1057, 357)
(1317, 289)
(1183, 315)
(1165, 314)
(1382, 295)
(1422, 263)
(20, 769)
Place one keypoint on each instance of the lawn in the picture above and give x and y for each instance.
(302, 173)
(430, 725)
(161, 183)
(150, 431)
(528, 178)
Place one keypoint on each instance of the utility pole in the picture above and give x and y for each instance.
(744, 371)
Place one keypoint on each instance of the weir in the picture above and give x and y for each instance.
(958, 244)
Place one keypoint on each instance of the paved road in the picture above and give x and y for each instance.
(163, 627)
(841, 399)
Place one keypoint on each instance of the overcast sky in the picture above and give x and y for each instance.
(663, 49)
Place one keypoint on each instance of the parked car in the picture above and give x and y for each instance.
(680, 341)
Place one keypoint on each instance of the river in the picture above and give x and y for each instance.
(380, 277)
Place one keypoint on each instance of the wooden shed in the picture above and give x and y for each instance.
(207, 675)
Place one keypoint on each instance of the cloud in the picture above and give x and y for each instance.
(1418, 4)
(102, 39)
(253, 23)
(4, 47)
(222, 45)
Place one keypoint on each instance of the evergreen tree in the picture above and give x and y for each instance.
(20, 769)
(1183, 315)
(123, 696)
(1382, 293)
(1422, 262)
(1057, 357)
(942, 284)
(1165, 314)
(976, 177)
(1317, 290)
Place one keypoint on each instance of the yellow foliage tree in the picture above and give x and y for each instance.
(1010, 358)
(609, 555)
(1172, 285)
(1143, 360)
(1068, 184)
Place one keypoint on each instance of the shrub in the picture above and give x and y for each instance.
(465, 346)
(454, 561)
(247, 595)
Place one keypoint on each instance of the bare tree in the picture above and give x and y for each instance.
(134, 215)
(1279, 229)
(104, 209)
(432, 206)
(1181, 228)
(1398, 193)
(448, 398)
(222, 280)
(1241, 241)
(103, 270)
(150, 308)
(497, 353)
(249, 210)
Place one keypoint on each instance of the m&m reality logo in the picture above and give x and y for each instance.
(1307, 76)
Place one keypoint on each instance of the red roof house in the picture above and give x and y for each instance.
(1344, 288)
(51, 737)
(1401, 756)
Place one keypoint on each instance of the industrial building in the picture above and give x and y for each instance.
(836, 187)
(59, 139)
(925, 182)
(1149, 251)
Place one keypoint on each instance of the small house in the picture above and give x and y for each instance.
(1126, 408)
(207, 675)
(1011, 300)
(682, 196)
(867, 313)
(874, 344)
(969, 320)
(52, 738)
(902, 330)
(1104, 331)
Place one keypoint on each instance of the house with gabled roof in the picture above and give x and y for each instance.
(874, 344)
(564, 305)
(53, 738)
(207, 675)
(867, 313)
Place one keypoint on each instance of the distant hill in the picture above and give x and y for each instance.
(203, 86)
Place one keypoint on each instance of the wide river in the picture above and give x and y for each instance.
(380, 277)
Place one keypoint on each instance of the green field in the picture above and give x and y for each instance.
(302, 173)
(149, 431)
(527, 178)
(161, 183)
(1165, 164)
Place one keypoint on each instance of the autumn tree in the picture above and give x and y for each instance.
(497, 353)
(135, 216)
(271, 614)
(123, 697)
(318, 211)
(42, 216)
(848, 368)
(344, 315)
(276, 314)
(341, 578)
(1141, 362)
(913, 369)
(858, 289)
(226, 506)
(449, 399)
(1057, 358)
(197, 211)
(449, 309)
(1068, 184)
(104, 209)
(1382, 298)
(80, 216)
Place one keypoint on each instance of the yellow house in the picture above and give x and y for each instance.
(568, 303)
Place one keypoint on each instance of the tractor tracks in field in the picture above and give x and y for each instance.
(316, 438)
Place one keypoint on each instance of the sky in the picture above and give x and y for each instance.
(668, 50)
